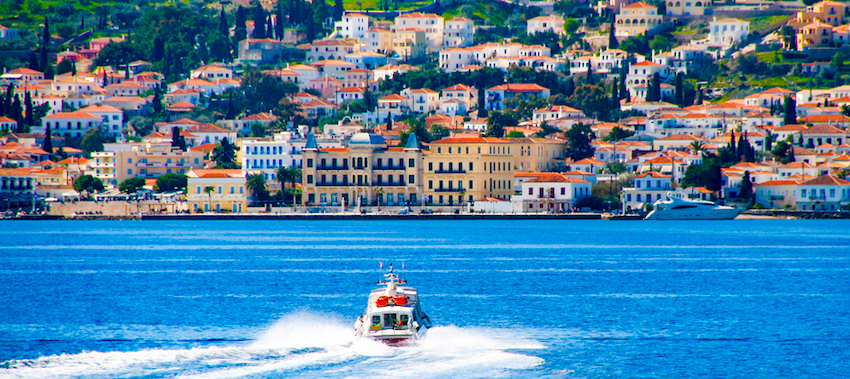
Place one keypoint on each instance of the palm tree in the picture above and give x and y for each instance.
(462, 194)
(209, 190)
(360, 4)
(282, 173)
(257, 185)
(294, 177)
(287, 109)
(697, 146)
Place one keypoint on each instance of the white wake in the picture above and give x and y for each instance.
(305, 344)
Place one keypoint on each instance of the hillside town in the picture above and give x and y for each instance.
(382, 113)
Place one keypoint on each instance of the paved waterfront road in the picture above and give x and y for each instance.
(538, 298)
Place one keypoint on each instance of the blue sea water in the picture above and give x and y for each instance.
(553, 299)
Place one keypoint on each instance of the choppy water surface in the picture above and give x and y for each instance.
(558, 299)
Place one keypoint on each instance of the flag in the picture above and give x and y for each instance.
(382, 265)
(402, 265)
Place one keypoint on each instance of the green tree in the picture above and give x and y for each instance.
(592, 100)
(618, 134)
(92, 141)
(612, 39)
(338, 10)
(496, 123)
(515, 134)
(209, 190)
(262, 93)
(545, 130)
(224, 154)
(654, 91)
(579, 137)
(258, 130)
(241, 30)
(259, 18)
(177, 140)
(87, 184)
(171, 182)
(320, 12)
(707, 175)
(131, 185)
(746, 187)
(257, 186)
(790, 110)
(680, 89)
(783, 152)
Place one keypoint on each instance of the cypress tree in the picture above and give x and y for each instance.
(45, 40)
(48, 140)
(293, 11)
(269, 27)
(612, 39)
(589, 79)
(278, 26)
(680, 89)
(240, 32)
(320, 13)
(732, 147)
(222, 24)
(18, 114)
(790, 110)
(746, 187)
(259, 22)
(389, 121)
(28, 119)
(654, 90)
(338, 10)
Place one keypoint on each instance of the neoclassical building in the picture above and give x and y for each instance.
(636, 19)
(367, 172)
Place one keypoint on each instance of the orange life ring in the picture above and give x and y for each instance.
(400, 300)
(382, 301)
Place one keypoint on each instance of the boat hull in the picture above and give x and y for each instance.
(724, 213)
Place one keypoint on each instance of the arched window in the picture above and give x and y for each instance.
(643, 22)
(678, 4)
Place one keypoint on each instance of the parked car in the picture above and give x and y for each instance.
(404, 211)
(426, 211)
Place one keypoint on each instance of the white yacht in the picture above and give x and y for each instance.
(674, 208)
(393, 314)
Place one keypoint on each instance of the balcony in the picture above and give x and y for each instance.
(325, 168)
(388, 168)
(457, 171)
(774, 197)
(389, 184)
(449, 190)
(817, 197)
(102, 165)
(155, 164)
(332, 184)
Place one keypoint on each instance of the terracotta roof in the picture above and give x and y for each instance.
(208, 128)
(471, 140)
(823, 129)
(519, 87)
(555, 178)
(75, 114)
(681, 137)
(219, 173)
(590, 161)
(827, 180)
(654, 174)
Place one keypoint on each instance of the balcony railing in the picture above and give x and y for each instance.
(449, 190)
(332, 184)
(389, 184)
(388, 167)
(453, 171)
(774, 197)
(817, 197)
(332, 167)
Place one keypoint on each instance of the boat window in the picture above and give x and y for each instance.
(403, 320)
(390, 319)
(376, 320)
(684, 206)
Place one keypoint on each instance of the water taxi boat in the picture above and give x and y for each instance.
(393, 315)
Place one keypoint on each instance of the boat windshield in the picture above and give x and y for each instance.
(391, 321)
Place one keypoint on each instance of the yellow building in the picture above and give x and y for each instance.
(219, 190)
(461, 169)
(538, 154)
(828, 12)
(409, 43)
(816, 34)
(141, 160)
(367, 172)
